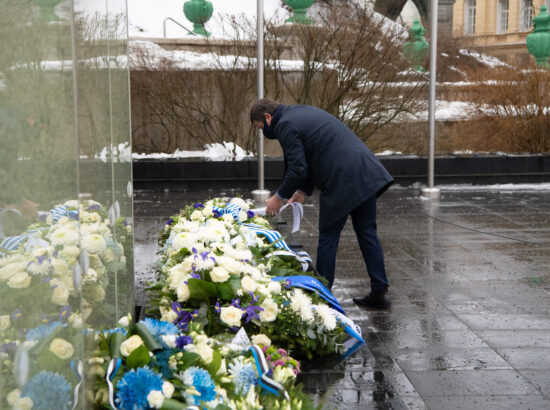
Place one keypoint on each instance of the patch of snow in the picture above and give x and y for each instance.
(444, 54)
(446, 111)
(388, 152)
(544, 186)
(484, 58)
(119, 153)
(226, 151)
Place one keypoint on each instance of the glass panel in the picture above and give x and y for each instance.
(66, 246)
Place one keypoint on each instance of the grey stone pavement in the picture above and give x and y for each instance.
(469, 327)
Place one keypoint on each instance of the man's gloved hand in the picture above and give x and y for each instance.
(298, 196)
(274, 204)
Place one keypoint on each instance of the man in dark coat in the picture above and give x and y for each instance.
(320, 151)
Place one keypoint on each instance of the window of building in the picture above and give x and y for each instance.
(526, 15)
(470, 16)
(502, 16)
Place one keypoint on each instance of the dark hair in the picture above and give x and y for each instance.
(261, 107)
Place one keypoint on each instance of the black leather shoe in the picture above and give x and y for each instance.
(379, 299)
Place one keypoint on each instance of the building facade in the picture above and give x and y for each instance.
(497, 27)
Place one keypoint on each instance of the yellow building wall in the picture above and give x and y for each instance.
(509, 45)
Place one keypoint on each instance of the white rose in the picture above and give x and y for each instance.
(262, 289)
(168, 389)
(13, 396)
(261, 339)
(168, 315)
(205, 352)
(11, 269)
(60, 267)
(219, 274)
(124, 321)
(229, 263)
(24, 403)
(61, 348)
(248, 284)
(261, 221)
(71, 251)
(243, 216)
(4, 322)
(231, 316)
(197, 216)
(20, 280)
(88, 217)
(155, 399)
(283, 374)
(130, 344)
(240, 203)
(96, 294)
(269, 314)
(183, 293)
(94, 243)
(274, 287)
(229, 219)
(75, 319)
(207, 211)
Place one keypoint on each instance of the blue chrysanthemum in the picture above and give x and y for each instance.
(203, 384)
(48, 390)
(244, 376)
(41, 332)
(134, 388)
(159, 328)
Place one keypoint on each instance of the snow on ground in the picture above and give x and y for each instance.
(544, 186)
(484, 58)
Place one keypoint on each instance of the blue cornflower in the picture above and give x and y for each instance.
(41, 332)
(48, 390)
(135, 386)
(159, 328)
(244, 376)
(202, 382)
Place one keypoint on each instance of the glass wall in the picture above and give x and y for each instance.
(66, 240)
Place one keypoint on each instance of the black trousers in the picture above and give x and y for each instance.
(364, 223)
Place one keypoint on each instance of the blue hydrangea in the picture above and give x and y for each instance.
(41, 332)
(47, 391)
(159, 328)
(135, 386)
(202, 382)
(244, 376)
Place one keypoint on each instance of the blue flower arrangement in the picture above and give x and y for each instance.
(48, 390)
(158, 328)
(245, 376)
(135, 386)
(203, 384)
(40, 332)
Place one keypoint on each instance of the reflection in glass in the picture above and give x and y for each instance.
(65, 216)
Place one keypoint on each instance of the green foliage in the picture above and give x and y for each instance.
(138, 358)
(201, 289)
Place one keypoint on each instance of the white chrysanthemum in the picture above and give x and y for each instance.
(91, 276)
(301, 303)
(65, 236)
(178, 275)
(262, 290)
(242, 216)
(271, 309)
(90, 217)
(71, 251)
(155, 398)
(274, 287)
(197, 216)
(326, 315)
(6, 272)
(73, 203)
(207, 211)
(183, 240)
(240, 203)
(13, 259)
(254, 272)
(228, 218)
(88, 229)
(94, 243)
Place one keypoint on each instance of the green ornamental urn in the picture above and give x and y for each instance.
(47, 9)
(416, 47)
(538, 41)
(299, 8)
(198, 12)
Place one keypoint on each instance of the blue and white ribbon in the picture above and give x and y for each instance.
(114, 365)
(78, 370)
(13, 242)
(297, 214)
(60, 211)
(229, 208)
(266, 382)
(304, 260)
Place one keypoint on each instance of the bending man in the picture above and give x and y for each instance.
(320, 151)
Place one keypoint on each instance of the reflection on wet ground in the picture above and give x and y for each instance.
(469, 327)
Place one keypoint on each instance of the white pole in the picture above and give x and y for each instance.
(260, 194)
(432, 192)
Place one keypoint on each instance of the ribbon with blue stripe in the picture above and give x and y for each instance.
(229, 208)
(114, 365)
(310, 283)
(13, 242)
(60, 211)
(265, 381)
(78, 370)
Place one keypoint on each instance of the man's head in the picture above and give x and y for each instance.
(263, 109)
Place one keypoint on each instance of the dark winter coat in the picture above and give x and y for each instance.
(320, 151)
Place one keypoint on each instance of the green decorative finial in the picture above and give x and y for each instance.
(198, 12)
(416, 47)
(538, 41)
(47, 9)
(299, 8)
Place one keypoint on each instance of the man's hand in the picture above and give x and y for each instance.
(298, 196)
(274, 204)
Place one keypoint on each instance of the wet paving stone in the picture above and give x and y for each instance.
(469, 326)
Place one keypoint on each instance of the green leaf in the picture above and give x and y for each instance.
(188, 359)
(171, 404)
(147, 338)
(138, 358)
(115, 341)
(216, 363)
(201, 289)
(228, 290)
